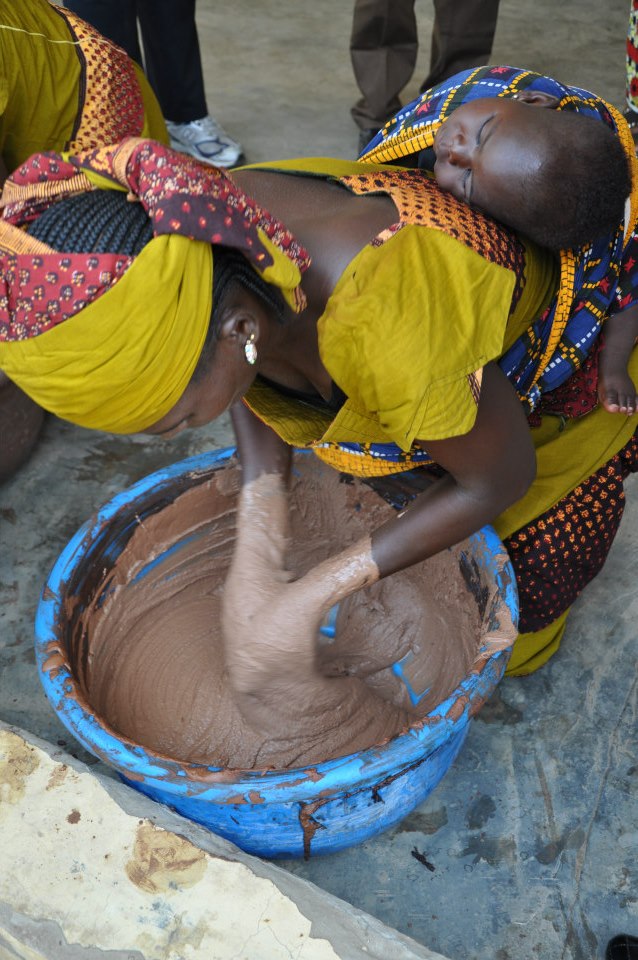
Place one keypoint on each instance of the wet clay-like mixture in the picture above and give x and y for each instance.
(155, 669)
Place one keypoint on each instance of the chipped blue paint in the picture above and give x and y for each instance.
(162, 556)
(397, 670)
(345, 801)
(329, 626)
(487, 545)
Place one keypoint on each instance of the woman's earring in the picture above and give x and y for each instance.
(250, 350)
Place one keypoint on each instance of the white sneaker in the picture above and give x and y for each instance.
(205, 140)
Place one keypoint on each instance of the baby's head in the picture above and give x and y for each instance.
(557, 176)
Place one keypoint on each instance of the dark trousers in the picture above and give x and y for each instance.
(171, 48)
(384, 45)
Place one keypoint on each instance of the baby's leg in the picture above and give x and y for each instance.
(616, 390)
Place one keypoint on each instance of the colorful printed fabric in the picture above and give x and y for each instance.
(64, 86)
(411, 384)
(597, 280)
(423, 204)
(558, 554)
(93, 337)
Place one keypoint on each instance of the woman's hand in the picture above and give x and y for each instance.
(270, 621)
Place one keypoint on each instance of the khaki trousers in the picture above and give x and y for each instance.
(384, 45)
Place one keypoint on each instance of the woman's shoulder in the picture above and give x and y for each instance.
(409, 320)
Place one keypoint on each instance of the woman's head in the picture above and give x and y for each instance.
(106, 308)
(558, 177)
(104, 221)
(244, 306)
(124, 313)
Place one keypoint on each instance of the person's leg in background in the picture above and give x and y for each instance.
(174, 68)
(462, 37)
(115, 19)
(172, 63)
(172, 58)
(383, 49)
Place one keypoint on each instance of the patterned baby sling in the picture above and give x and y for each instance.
(557, 344)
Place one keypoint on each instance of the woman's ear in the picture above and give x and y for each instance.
(239, 325)
(240, 317)
(537, 99)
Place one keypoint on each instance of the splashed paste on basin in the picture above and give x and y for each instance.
(319, 808)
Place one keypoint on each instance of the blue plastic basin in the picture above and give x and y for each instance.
(287, 813)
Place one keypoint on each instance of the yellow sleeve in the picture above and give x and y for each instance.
(408, 324)
(40, 80)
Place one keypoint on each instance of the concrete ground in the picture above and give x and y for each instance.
(532, 834)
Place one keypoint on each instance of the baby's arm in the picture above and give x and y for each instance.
(616, 390)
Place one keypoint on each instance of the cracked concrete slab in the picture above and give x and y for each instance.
(92, 870)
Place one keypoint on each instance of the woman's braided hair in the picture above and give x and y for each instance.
(230, 266)
(105, 221)
(102, 221)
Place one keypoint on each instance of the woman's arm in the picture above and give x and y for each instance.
(274, 622)
(259, 448)
(263, 525)
(271, 624)
(488, 469)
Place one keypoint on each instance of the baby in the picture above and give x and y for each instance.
(509, 160)
(519, 159)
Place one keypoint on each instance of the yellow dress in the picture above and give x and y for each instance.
(64, 86)
(414, 370)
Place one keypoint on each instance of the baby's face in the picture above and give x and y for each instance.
(485, 152)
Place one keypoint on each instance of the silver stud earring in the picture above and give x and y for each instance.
(250, 350)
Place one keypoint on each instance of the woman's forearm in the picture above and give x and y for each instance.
(259, 448)
(489, 468)
(438, 518)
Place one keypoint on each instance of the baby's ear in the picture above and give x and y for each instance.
(537, 99)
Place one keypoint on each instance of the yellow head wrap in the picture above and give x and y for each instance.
(121, 361)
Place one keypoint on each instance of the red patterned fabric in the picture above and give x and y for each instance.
(558, 554)
(180, 195)
(578, 395)
(39, 292)
(196, 200)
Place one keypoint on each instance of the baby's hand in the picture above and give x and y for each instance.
(617, 393)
